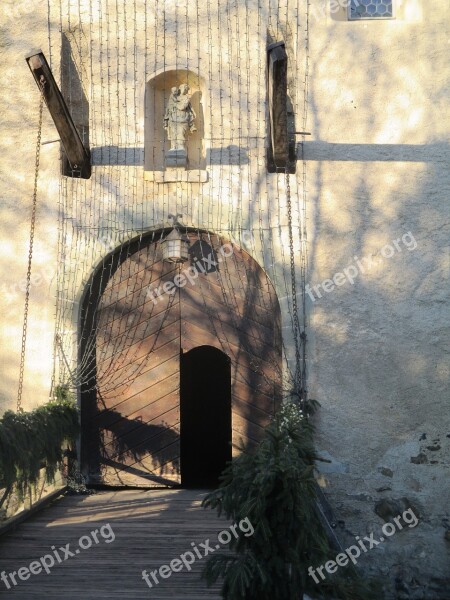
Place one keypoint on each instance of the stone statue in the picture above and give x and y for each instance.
(179, 122)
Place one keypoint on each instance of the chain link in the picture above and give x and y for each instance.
(298, 378)
(30, 251)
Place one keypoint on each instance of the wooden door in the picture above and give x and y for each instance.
(233, 307)
(132, 340)
(133, 434)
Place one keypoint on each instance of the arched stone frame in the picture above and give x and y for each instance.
(247, 344)
(156, 143)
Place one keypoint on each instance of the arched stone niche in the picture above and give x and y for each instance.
(157, 93)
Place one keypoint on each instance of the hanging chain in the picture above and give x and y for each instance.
(298, 378)
(30, 251)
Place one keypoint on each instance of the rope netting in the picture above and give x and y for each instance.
(118, 58)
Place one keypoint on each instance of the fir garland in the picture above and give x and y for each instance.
(274, 487)
(30, 441)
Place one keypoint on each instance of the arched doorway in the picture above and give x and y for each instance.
(136, 325)
(205, 416)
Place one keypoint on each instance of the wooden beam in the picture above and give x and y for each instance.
(277, 81)
(77, 155)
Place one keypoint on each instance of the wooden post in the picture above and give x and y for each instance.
(77, 155)
(279, 148)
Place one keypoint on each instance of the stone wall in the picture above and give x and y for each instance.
(375, 174)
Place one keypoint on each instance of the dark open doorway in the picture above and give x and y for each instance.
(205, 407)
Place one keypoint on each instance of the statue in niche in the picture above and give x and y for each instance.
(179, 121)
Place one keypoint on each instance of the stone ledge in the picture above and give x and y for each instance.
(174, 175)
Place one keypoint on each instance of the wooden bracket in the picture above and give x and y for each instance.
(280, 148)
(77, 155)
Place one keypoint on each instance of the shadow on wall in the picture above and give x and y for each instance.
(367, 187)
(124, 443)
(72, 88)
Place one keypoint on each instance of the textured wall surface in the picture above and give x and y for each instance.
(375, 176)
(377, 169)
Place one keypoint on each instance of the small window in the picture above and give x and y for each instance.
(370, 9)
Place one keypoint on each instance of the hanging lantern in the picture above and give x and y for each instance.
(175, 247)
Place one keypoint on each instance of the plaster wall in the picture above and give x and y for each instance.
(374, 172)
(377, 172)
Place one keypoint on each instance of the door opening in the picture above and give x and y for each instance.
(205, 415)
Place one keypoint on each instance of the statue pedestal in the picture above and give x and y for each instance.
(176, 158)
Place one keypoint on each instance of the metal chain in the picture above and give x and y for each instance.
(30, 251)
(298, 379)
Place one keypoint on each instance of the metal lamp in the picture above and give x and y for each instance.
(175, 247)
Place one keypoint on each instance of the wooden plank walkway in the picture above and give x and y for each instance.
(151, 528)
